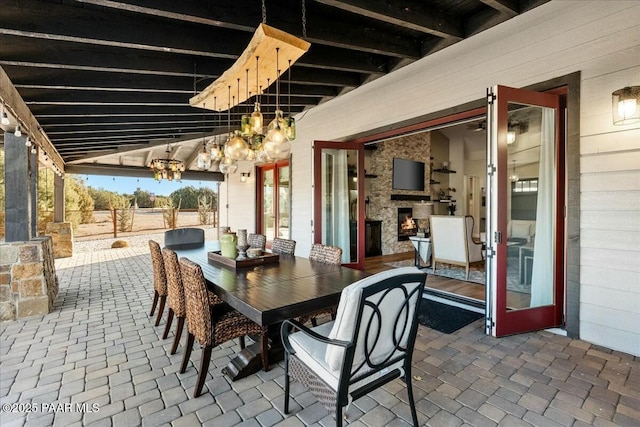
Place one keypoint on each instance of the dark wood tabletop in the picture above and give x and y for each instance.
(271, 293)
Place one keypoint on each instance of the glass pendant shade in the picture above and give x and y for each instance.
(216, 152)
(245, 125)
(204, 159)
(276, 145)
(256, 120)
(236, 148)
(279, 120)
(228, 165)
(291, 128)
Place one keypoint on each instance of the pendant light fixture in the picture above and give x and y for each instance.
(236, 148)
(276, 144)
(256, 117)
(514, 177)
(204, 157)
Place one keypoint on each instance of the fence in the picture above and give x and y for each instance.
(123, 222)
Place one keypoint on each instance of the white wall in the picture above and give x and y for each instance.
(598, 38)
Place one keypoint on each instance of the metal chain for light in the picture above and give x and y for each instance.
(264, 12)
(304, 19)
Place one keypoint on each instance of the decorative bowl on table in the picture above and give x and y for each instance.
(254, 253)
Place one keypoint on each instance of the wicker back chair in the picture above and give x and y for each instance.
(159, 280)
(210, 325)
(257, 240)
(326, 254)
(184, 236)
(369, 344)
(283, 246)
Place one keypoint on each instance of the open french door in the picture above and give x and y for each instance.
(338, 192)
(526, 192)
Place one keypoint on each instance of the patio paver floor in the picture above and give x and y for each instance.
(98, 360)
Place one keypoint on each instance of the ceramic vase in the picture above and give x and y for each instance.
(228, 245)
(242, 245)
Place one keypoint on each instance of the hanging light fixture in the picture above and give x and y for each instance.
(204, 157)
(276, 144)
(18, 132)
(626, 105)
(5, 118)
(514, 177)
(216, 151)
(511, 135)
(167, 168)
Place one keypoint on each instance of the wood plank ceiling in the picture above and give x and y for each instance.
(104, 77)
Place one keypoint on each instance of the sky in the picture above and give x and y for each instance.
(126, 185)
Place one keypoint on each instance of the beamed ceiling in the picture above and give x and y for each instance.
(111, 77)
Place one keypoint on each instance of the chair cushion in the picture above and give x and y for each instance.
(311, 352)
(344, 324)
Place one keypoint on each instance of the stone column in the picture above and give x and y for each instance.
(17, 189)
(33, 181)
(58, 198)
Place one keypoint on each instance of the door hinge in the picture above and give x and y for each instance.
(490, 323)
(497, 236)
(491, 253)
(490, 97)
(491, 170)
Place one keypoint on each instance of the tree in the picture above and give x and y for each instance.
(143, 198)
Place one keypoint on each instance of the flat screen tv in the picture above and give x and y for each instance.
(408, 175)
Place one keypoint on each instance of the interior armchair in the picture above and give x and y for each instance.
(369, 344)
(451, 237)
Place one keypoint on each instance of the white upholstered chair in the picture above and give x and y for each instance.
(369, 344)
(452, 241)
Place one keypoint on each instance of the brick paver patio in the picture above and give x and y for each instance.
(98, 360)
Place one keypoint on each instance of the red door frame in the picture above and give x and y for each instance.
(260, 169)
(317, 194)
(523, 320)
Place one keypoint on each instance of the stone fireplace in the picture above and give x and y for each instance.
(406, 224)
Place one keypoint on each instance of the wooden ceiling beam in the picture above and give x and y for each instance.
(407, 14)
(506, 7)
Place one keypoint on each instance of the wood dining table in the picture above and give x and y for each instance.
(270, 293)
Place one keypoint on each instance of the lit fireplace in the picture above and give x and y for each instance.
(406, 224)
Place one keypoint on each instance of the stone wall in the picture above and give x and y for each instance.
(381, 207)
(62, 235)
(28, 281)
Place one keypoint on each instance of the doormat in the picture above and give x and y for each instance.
(443, 317)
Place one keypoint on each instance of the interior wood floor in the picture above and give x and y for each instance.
(444, 284)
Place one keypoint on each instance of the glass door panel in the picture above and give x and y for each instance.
(284, 196)
(525, 272)
(268, 226)
(338, 211)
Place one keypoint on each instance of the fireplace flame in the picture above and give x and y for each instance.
(408, 223)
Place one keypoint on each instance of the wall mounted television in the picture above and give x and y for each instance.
(408, 175)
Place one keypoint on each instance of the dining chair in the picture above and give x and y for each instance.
(183, 236)
(210, 324)
(283, 246)
(176, 299)
(328, 255)
(159, 280)
(257, 240)
(369, 344)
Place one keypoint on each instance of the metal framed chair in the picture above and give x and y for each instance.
(368, 345)
(210, 324)
(257, 240)
(283, 246)
(159, 280)
(184, 236)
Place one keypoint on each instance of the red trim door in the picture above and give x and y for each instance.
(338, 178)
(526, 231)
(274, 200)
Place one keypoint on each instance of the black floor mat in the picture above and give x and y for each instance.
(443, 317)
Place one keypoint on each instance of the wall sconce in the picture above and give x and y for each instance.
(244, 176)
(626, 105)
